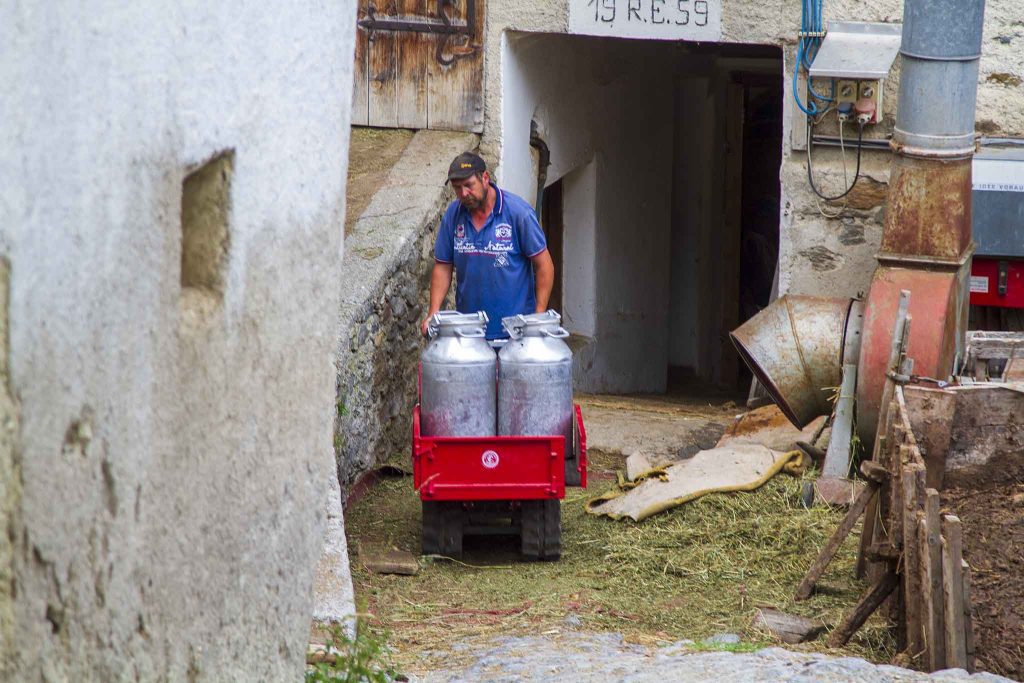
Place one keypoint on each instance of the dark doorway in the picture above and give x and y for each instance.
(759, 228)
(551, 220)
(725, 223)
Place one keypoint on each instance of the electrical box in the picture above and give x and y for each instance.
(862, 96)
(857, 57)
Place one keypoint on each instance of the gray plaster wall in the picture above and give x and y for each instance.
(165, 451)
(817, 254)
(385, 295)
(611, 125)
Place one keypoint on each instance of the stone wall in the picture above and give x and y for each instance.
(173, 194)
(385, 294)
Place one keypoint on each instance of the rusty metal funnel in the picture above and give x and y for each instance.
(795, 348)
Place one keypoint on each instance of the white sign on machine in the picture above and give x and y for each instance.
(652, 19)
(997, 175)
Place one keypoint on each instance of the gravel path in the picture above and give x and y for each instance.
(581, 657)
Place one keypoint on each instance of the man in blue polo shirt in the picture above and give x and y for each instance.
(493, 242)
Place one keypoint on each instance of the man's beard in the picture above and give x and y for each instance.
(472, 202)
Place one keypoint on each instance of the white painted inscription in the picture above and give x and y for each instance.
(998, 175)
(657, 19)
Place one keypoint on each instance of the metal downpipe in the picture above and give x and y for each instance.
(926, 240)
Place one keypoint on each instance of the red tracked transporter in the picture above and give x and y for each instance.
(496, 485)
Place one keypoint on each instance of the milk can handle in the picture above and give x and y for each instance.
(479, 334)
(560, 334)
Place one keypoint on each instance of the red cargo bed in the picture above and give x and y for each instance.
(470, 468)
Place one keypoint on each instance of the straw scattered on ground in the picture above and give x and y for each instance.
(691, 572)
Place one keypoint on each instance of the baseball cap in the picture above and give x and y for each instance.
(465, 165)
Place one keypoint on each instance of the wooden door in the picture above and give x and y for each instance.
(419, 64)
(554, 229)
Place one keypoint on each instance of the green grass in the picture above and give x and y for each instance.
(691, 572)
(363, 659)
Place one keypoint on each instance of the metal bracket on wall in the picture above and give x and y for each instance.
(442, 26)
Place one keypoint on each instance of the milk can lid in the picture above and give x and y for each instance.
(547, 324)
(448, 323)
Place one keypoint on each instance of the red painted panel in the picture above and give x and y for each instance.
(933, 311)
(582, 432)
(491, 468)
(985, 283)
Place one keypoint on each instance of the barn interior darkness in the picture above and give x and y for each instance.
(661, 197)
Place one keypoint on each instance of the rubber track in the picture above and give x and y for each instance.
(431, 527)
(452, 517)
(531, 529)
(552, 530)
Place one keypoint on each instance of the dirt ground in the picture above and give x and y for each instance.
(993, 532)
(372, 153)
(692, 572)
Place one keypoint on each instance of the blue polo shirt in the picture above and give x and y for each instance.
(493, 272)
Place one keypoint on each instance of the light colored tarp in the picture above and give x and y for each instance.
(738, 467)
(769, 427)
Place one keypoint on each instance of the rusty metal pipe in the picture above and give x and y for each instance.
(926, 241)
(928, 217)
(796, 347)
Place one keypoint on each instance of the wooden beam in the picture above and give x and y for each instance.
(867, 534)
(913, 500)
(896, 347)
(864, 608)
(874, 472)
(930, 543)
(953, 591)
(873, 532)
(806, 586)
(931, 416)
(968, 618)
(904, 416)
(883, 552)
(897, 603)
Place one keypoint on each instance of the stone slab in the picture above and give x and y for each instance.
(789, 628)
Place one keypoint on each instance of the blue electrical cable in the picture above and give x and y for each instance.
(808, 44)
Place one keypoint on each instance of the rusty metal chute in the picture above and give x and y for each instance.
(926, 241)
(796, 348)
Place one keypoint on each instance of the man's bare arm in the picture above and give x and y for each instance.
(544, 277)
(440, 283)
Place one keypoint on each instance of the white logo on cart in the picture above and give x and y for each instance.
(489, 459)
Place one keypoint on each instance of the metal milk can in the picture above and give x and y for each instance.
(458, 374)
(535, 378)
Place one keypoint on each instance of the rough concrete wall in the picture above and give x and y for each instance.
(817, 254)
(586, 110)
(10, 478)
(174, 442)
(385, 294)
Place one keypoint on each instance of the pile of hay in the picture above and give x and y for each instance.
(690, 572)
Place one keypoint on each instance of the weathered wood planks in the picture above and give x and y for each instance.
(419, 64)
(917, 558)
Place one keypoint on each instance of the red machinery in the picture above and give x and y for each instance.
(496, 485)
(997, 272)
